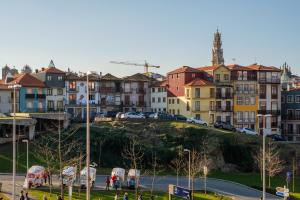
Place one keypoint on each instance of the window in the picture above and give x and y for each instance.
(173, 101)
(290, 99)
(274, 105)
(197, 92)
(29, 91)
(239, 88)
(290, 128)
(197, 105)
(297, 99)
(177, 101)
(60, 91)
(91, 85)
(239, 100)
(297, 114)
(246, 116)
(188, 93)
(274, 92)
(153, 90)
(262, 76)
(60, 78)
(29, 104)
(178, 112)
(252, 116)
(282, 99)
(246, 88)
(60, 105)
(164, 99)
(50, 105)
(177, 75)
(198, 116)
(177, 88)
(49, 78)
(169, 101)
(240, 75)
(49, 92)
(188, 106)
(72, 99)
(159, 99)
(262, 105)
(153, 99)
(159, 89)
(274, 122)
(244, 75)
(262, 91)
(251, 88)
(247, 100)
(72, 85)
(212, 92)
(239, 116)
(173, 111)
(226, 77)
(217, 77)
(252, 100)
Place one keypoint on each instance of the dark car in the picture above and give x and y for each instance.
(111, 114)
(224, 125)
(180, 118)
(276, 137)
(147, 114)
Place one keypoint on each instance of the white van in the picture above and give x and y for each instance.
(133, 178)
(35, 176)
(117, 177)
(83, 173)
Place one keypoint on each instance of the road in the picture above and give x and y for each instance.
(235, 190)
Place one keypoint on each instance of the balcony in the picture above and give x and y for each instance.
(269, 112)
(246, 92)
(140, 90)
(269, 80)
(223, 83)
(221, 109)
(224, 96)
(107, 89)
(72, 90)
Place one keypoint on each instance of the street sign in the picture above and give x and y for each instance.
(182, 192)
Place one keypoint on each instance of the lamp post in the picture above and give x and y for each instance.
(189, 151)
(264, 153)
(14, 87)
(27, 150)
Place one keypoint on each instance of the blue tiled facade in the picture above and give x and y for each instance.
(32, 100)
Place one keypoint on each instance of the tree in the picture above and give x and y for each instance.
(274, 164)
(177, 164)
(133, 152)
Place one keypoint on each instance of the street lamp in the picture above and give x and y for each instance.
(88, 136)
(27, 147)
(187, 150)
(14, 87)
(264, 152)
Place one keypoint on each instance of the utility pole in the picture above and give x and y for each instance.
(87, 138)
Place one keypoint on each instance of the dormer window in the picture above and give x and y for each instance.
(60, 78)
(49, 78)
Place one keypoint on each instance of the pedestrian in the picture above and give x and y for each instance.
(140, 197)
(22, 195)
(125, 197)
(107, 183)
(45, 197)
(116, 196)
(26, 196)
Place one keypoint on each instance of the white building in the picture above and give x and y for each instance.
(159, 97)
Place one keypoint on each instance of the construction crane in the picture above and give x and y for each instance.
(145, 65)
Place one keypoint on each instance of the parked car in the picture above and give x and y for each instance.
(162, 115)
(197, 121)
(111, 114)
(180, 118)
(133, 115)
(148, 114)
(118, 115)
(247, 131)
(100, 114)
(224, 125)
(276, 137)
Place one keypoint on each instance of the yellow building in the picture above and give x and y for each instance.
(199, 94)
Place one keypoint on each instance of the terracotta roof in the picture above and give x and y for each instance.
(137, 77)
(109, 76)
(159, 84)
(207, 68)
(237, 67)
(27, 80)
(199, 82)
(184, 69)
(257, 67)
(52, 70)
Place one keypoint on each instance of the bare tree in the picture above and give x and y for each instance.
(274, 164)
(177, 164)
(133, 152)
(259, 161)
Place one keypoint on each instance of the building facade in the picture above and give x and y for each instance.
(290, 107)
(54, 80)
(159, 96)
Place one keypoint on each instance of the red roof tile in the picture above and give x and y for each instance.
(184, 69)
(27, 80)
(199, 82)
(160, 84)
(257, 67)
(207, 68)
(52, 70)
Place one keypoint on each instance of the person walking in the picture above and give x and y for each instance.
(22, 195)
(125, 197)
(107, 183)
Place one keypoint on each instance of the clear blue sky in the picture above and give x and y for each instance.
(86, 35)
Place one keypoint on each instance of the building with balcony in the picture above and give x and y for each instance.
(159, 96)
(176, 82)
(222, 106)
(54, 80)
(110, 93)
(136, 93)
(32, 94)
(76, 94)
(290, 114)
(200, 96)
(245, 97)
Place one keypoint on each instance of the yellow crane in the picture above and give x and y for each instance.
(146, 65)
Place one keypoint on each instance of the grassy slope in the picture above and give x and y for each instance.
(109, 195)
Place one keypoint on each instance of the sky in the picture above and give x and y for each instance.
(87, 35)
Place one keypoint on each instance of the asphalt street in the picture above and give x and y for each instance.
(235, 190)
